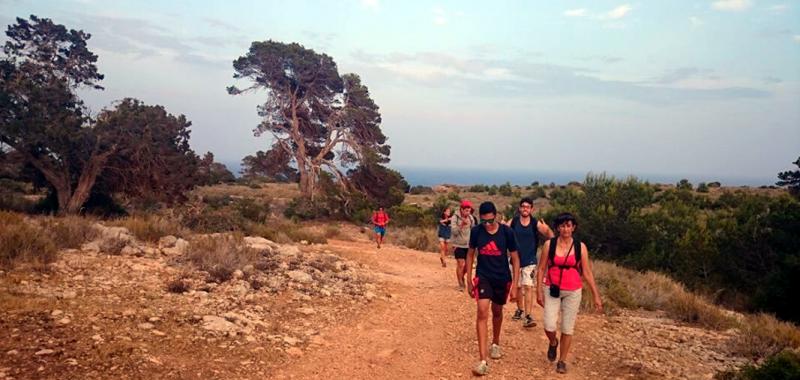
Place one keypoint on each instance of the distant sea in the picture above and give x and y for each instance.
(434, 176)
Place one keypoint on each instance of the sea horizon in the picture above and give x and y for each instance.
(427, 176)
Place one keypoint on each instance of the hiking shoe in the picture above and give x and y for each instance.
(552, 351)
(495, 352)
(481, 369)
(529, 322)
(517, 315)
(561, 367)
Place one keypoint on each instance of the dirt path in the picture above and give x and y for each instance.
(426, 330)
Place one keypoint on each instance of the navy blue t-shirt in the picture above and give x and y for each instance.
(492, 251)
(527, 241)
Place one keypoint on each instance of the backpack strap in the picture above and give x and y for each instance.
(551, 254)
(578, 256)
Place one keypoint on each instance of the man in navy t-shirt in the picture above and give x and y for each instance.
(493, 243)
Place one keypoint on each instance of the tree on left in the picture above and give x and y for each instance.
(43, 120)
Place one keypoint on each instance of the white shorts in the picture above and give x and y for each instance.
(527, 275)
(567, 304)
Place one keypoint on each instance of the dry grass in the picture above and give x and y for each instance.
(70, 231)
(21, 241)
(150, 228)
(285, 232)
(621, 287)
(220, 256)
(421, 239)
(764, 335)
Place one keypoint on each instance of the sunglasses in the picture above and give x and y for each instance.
(487, 221)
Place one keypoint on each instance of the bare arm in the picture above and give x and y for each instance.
(544, 229)
(514, 274)
(541, 269)
(468, 269)
(586, 265)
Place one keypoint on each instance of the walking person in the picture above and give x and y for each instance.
(494, 245)
(461, 224)
(380, 219)
(526, 232)
(566, 260)
(444, 232)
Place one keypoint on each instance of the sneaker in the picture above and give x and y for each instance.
(495, 352)
(481, 369)
(529, 322)
(517, 315)
(561, 367)
(552, 351)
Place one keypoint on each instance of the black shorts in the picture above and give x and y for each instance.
(460, 253)
(494, 290)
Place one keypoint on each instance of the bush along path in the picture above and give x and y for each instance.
(344, 309)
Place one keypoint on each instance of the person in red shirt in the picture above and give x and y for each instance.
(380, 219)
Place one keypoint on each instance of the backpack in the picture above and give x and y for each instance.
(551, 255)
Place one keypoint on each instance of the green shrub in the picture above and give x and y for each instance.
(416, 190)
(411, 215)
(478, 188)
(421, 239)
(784, 365)
(505, 190)
(702, 187)
(454, 196)
(16, 202)
(253, 210)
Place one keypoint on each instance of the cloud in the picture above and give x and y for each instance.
(613, 17)
(524, 79)
(618, 12)
(731, 5)
(439, 16)
(580, 12)
(684, 73)
(371, 4)
(219, 24)
(779, 8)
(696, 21)
(140, 38)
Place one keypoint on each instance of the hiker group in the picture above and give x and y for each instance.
(507, 268)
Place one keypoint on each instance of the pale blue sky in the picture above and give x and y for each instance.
(703, 88)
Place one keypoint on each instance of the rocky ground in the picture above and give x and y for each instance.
(341, 310)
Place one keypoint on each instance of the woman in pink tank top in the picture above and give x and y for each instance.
(561, 264)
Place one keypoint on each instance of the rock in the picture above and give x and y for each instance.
(97, 338)
(64, 321)
(214, 323)
(238, 274)
(45, 351)
(12, 352)
(306, 311)
(154, 319)
(369, 295)
(128, 313)
(181, 246)
(294, 351)
(289, 250)
(56, 313)
(290, 340)
(300, 276)
(146, 326)
(93, 246)
(130, 251)
(71, 361)
(167, 241)
(69, 294)
(78, 278)
(304, 242)
(158, 333)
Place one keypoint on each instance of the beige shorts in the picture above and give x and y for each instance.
(568, 304)
(527, 275)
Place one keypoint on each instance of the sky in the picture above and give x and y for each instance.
(707, 89)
